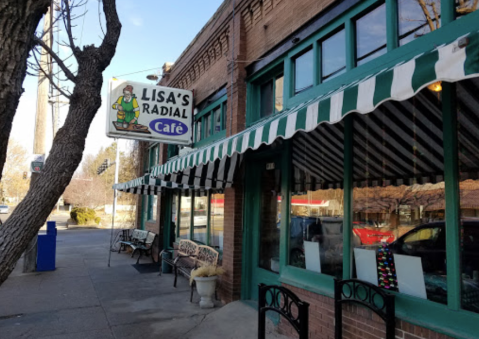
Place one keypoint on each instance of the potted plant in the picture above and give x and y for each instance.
(204, 278)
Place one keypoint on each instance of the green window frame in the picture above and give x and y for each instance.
(206, 116)
(285, 63)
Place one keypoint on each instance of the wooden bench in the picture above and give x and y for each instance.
(141, 241)
(190, 256)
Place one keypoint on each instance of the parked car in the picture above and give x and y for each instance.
(4, 209)
(428, 241)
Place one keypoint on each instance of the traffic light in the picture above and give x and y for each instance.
(102, 168)
(24, 175)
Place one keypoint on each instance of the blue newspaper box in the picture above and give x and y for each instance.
(47, 246)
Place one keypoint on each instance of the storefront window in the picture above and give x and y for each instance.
(270, 220)
(303, 71)
(317, 204)
(185, 217)
(154, 208)
(399, 199)
(371, 35)
(333, 55)
(217, 217)
(417, 18)
(174, 218)
(468, 135)
(200, 219)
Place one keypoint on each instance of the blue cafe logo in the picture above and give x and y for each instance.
(168, 127)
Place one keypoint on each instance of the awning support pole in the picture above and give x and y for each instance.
(117, 166)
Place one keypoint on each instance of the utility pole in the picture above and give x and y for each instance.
(115, 197)
(39, 141)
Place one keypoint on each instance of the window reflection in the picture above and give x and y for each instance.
(468, 133)
(371, 35)
(200, 219)
(316, 225)
(207, 120)
(270, 220)
(464, 7)
(278, 94)
(333, 58)
(266, 93)
(185, 217)
(417, 18)
(217, 119)
(198, 130)
(217, 217)
(399, 197)
(303, 71)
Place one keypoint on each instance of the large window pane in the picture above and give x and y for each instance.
(217, 217)
(468, 134)
(316, 225)
(303, 71)
(417, 18)
(333, 55)
(198, 130)
(266, 93)
(371, 35)
(217, 119)
(278, 94)
(185, 217)
(399, 199)
(207, 126)
(200, 219)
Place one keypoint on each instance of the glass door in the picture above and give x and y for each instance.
(263, 231)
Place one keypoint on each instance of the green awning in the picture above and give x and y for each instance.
(146, 185)
(449, 62)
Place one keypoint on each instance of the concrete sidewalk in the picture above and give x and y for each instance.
(85, 299)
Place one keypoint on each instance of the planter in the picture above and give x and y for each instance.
(206, 289)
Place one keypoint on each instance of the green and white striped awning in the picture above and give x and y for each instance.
(146, 185)
(449, 62)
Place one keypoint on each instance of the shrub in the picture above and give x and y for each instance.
(84, 215)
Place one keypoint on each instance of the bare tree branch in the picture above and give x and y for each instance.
(68, 25)
(57, 59)
(113, 28)
(49, 77)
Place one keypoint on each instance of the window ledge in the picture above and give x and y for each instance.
(217, 136)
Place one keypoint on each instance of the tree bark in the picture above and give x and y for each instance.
(18, 22)
(67, 149)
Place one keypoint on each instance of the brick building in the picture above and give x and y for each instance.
(350, 128)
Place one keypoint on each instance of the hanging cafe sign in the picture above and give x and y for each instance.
(148, 112)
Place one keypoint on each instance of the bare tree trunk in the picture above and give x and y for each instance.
(67, 149)
(18, 21)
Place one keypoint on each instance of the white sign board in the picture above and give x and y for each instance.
(148, 112)
(366, 265)
(312, 253)
(410, 275)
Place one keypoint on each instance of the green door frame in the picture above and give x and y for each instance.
(251, 274)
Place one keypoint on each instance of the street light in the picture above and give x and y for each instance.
(152, 77)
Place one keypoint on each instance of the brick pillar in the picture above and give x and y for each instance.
(237, 89)
(230, 288)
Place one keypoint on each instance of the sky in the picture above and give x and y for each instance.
(153, 32)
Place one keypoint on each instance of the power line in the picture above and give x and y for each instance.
(145, 70)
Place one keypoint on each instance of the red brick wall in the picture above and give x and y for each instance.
(358, 322)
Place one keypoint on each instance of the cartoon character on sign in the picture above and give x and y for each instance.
(128, 109)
